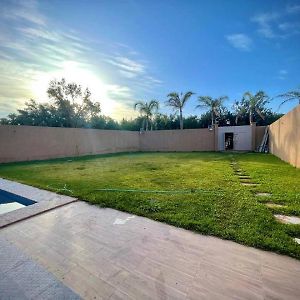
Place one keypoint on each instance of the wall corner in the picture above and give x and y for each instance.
(253, 135)
(216, 137)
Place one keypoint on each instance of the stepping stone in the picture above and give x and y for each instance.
(263, 194)
(287, 219)
(297, 240)
(274, 205)
(248, 183)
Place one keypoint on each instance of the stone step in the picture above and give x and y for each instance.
(287, 219)
(249, 183)
(274, 205)
(263, 194)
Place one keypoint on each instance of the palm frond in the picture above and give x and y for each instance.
(201, 106)
(248, 95)
(153, 105)
(205, 101)
(186, 97)
(173, 95)
(139, 104)
(259, 113)
(222, 99)
(173, 100)
(290, 96)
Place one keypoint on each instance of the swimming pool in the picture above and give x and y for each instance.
(10, 202)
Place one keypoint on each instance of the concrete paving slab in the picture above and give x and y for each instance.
(84, 248)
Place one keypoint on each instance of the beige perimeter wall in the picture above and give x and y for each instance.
(21, 143)
(284, 139)
(259, 134)
(178, 140)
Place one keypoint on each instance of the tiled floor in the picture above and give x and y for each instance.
(107, 254)
(23, 278)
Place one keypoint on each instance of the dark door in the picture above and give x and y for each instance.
(228, 140)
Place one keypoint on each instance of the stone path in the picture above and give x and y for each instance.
(246, 181)
(243, 177)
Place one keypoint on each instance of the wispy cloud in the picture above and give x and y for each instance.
(280, 24)
(240, 41)
(282, 74)
(264, 22)
(133, 69)
(153, 80)
(24, 11)
(293, 8)
(118, 92)
(33, 51)
(128, 74)
(128, 67)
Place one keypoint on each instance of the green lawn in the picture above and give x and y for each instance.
(208, 196)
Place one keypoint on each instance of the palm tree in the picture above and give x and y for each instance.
(239, 110)
(290, 96)
(255, 103)
(147, 110)
(213, 104)
(177, 102)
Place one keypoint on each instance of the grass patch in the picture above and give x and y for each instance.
(213, 202)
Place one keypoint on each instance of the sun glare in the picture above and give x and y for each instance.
(75, 72)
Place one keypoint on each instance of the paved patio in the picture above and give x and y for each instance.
(106, 254)
(45, 201)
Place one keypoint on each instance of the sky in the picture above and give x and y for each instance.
(131, 50)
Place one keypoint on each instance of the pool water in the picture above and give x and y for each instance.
(10, 202)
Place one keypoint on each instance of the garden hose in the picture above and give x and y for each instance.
(189, 191)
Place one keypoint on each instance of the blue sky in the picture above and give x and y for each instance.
(126, 51)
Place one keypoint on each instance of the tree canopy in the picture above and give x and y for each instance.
(70, 105)
(214, 106)
(177, 102)
(147, 110)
